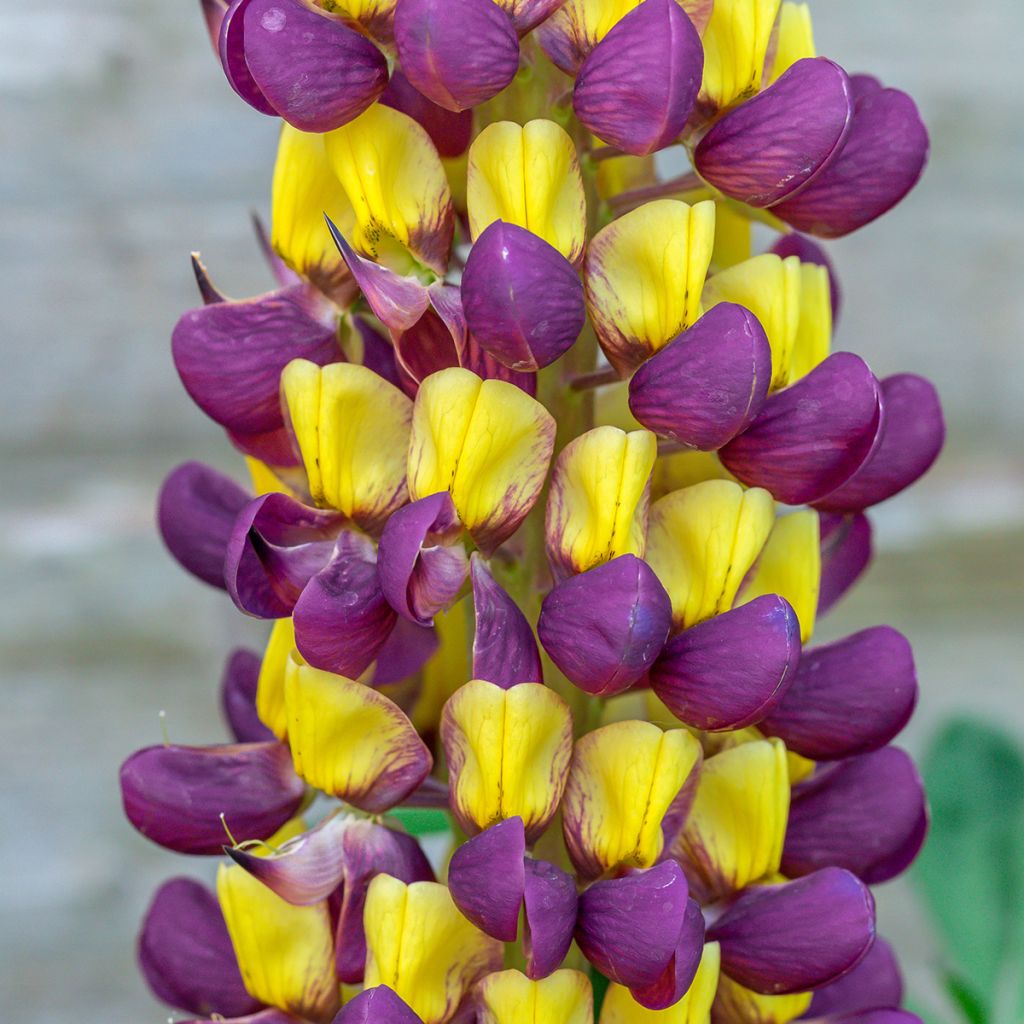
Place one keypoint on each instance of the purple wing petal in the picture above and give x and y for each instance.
(848, 697)
(812, 436)
(912, 436)
(796, 936)
(678, 976)
(185, 952)
(404, 653)
(876, 982)
(504, 649)
(729, 672)
(196, 513)
(867, 814)
(845, 555)
(638, 86)
(550, 906)
(175, 795)
(605, 627)
(769, 147)
(231, 47)
(707, 385)
(449, 130)
(377, 1005)
(238, 697)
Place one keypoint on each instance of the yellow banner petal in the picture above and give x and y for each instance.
(270, 685)
(353, 430)
(770, 288)
(702, 541)
(814, 328)
(351, 741)
(790, 565)
(795, 37)
(735, 47)
(508, 754)
(486, 442)
(694, 1008)
(420, 945)
(644, 274)
(736, 826)
(304, 189)
(285, 953)
(733, 1002)
(509, 997)
(622, 781)
(528, 175)
(394, 180)
(597, 504)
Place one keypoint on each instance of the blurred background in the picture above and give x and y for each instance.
(123, 149)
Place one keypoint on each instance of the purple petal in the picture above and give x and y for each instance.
(405, 652)
(796, 936)
(196, 511)
(504, 649)
(528, 14)
(378, 352)
(848, 697)
(208, 291)
(176, 795)
(808, 251)
(866, 814)
(458, 53)
(377, 1005)
(677, 978)
(230, 355)
(638, 86)
(845, 554)
(523, 300)
(605, 627)
(370, 850)
(397, 301)
(231, 47)
(421, 570)
(769, 147)
(277, 545)
(874, 983)
(283, 274)
(487, 878)
(613, 914)
(316, 72)
(238, 697)
(213, 15)
(886, 1015)
(911, 438)
(880, 162)
(708, 385)
(273, 447)
(450, 131)
(341, 618)
(731, 671)
(185, 952)
(812, 436)
(550, 907)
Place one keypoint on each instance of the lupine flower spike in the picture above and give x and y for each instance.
(550, 475)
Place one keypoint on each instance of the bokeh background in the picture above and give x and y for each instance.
(122, 150)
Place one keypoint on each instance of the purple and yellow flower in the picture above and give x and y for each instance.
(551, 476)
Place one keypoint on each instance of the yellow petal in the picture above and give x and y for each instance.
(814, 327)
(528, 175)
(734, 832)
(264, 479)
(621, 173)
(694, 1008)
(304, 189)
(509, 997)
(394, 180)
(733, 1002)
(444, 672)
(508, 753)
(375, 15)
(795, 37)
(770, 288)
(684, 469)
(790, 565)
(597, 505)
(735, 46)
(644, 274)
(800, 768)
(352, 429)
(420, 945)
(701, 542)
(623, 779)
(733, 231)
(285, 953)
(351, 741)
(486, 442)
(270, 685)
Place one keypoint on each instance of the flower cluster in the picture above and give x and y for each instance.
(551, 476)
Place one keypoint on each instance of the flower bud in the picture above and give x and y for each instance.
(523, 300)
(459, 53)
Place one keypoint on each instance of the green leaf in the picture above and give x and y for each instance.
(422, 821)
(967, 1001)
(969, 872)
